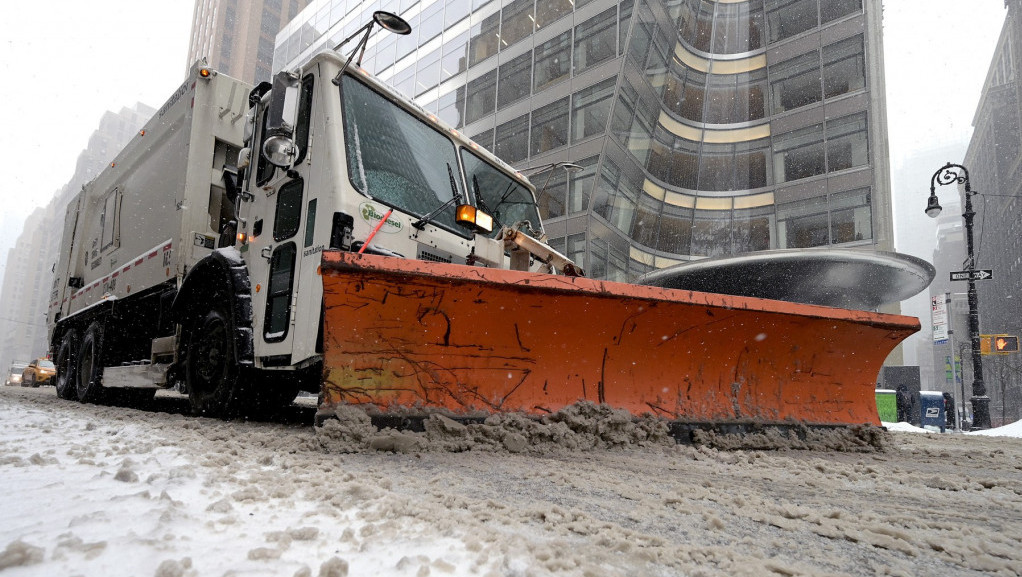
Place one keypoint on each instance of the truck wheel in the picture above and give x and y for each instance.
(66, 379)
(211, 370)
(90, 365)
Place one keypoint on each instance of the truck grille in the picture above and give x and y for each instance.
(433, 257)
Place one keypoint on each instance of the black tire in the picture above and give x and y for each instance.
(90, 366)
(211, 368)
(66, 379)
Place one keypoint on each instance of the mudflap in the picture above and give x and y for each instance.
(403, 338)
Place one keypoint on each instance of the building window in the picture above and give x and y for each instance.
(576, 249)
(456, 10)
(450, 106)
(844, 67)
(787, 18)
(847, 145)
(550, 127)
(796, 82)
(482, 95)
(455, 58)
(484, 139)
(615, 197)
(580, 185)
(803, 224)
(833, 9)
(550, 198)
(512, 140)
(515, 80)
(675, 232)
(427, 72)
(404, 81)
(753, 229)
(735, 98)
(695, 23)
(549, 10)
(685, 96)
(799, 154)
(711, 231)
(485, 36)
(553, 61)
(386, 52)
(624, 19)
(431, 22)
(851, 216)
(591, 110)
(516, 22)
(596, 40)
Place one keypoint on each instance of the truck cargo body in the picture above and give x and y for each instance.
(133, 232)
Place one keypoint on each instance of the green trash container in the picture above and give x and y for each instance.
(887, 405)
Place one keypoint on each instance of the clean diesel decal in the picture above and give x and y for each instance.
(372, 215)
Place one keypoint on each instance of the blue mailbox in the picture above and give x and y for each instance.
(931, 413)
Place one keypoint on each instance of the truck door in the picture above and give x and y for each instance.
(282, 212)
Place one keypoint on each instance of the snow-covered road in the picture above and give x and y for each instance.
(110, 491)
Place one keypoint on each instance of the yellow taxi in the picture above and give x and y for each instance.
(38, 372)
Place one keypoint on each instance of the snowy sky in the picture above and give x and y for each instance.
(66, 62)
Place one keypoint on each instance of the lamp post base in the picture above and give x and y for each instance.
(980, 413)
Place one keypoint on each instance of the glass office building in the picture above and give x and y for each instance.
(703, 128)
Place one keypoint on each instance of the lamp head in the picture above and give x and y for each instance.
(932, 206)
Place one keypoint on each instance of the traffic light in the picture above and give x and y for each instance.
(1004, 344)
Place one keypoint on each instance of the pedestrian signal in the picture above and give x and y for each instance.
(1005, 344)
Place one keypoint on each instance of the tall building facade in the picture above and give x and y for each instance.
(28, 278)
(703, 128)
(236, 37)
(994, 162)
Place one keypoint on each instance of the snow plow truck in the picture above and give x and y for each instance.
(321, 233)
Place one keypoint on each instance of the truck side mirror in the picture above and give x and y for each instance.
(278, 143)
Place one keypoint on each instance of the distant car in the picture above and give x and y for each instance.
(38, 372)
(14, 374)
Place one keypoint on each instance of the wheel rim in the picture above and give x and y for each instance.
(63, 366)
(85, 369)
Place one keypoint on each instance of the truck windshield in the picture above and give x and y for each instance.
(396, 158)
(499, 195)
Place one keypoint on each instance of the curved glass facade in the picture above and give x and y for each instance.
(704, 127)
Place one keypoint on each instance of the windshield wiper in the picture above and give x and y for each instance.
(422, 222)
(482, 202)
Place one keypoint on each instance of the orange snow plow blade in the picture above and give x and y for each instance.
(406, 336)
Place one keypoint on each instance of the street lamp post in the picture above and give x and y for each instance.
(957, 174)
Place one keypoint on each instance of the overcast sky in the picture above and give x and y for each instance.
(67, 62)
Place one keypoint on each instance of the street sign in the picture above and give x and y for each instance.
(938, 314)
(984, 274)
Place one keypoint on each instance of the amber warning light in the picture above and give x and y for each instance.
(473, 218)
